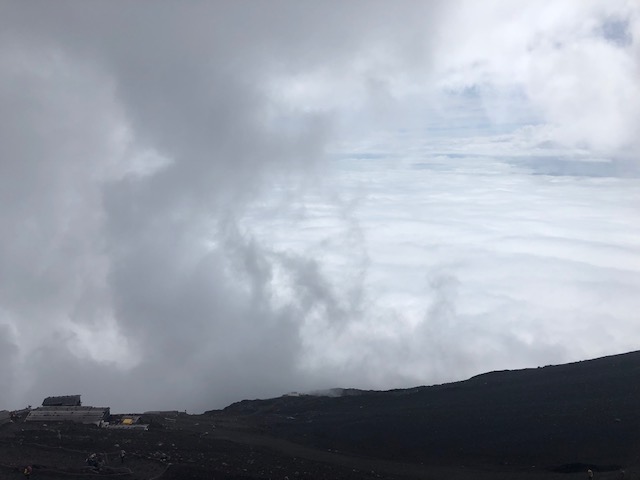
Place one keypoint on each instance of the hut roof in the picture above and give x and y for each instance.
(62, 401)
(69, 414)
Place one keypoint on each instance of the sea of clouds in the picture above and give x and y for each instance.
(212, 201)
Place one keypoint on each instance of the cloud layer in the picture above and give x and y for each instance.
(481, 268)
(188, 216)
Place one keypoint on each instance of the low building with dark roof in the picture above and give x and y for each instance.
(95, 415)
(62, 401)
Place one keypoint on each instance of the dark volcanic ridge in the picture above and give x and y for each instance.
(584, 413)
(552, 422)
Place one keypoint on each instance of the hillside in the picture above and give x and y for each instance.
(585, 412)
(546, 423)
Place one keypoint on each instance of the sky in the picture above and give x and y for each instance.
(202, 202)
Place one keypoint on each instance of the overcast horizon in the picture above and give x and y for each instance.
(210, 201)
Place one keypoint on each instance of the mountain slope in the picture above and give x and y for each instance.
(580, 413)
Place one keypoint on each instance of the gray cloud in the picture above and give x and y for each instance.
(132, 140)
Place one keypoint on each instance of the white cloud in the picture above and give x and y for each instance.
(467, 269)
(176, 223)
(575, 77)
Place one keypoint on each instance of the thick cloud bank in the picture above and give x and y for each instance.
(209, 201)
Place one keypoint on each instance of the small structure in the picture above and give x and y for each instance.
(5, 417)
(67, 408)
(130, 419)
(127, 422)
(63, 401)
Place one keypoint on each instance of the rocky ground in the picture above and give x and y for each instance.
(552, 423)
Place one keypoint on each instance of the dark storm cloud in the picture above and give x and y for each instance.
(134, 272)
